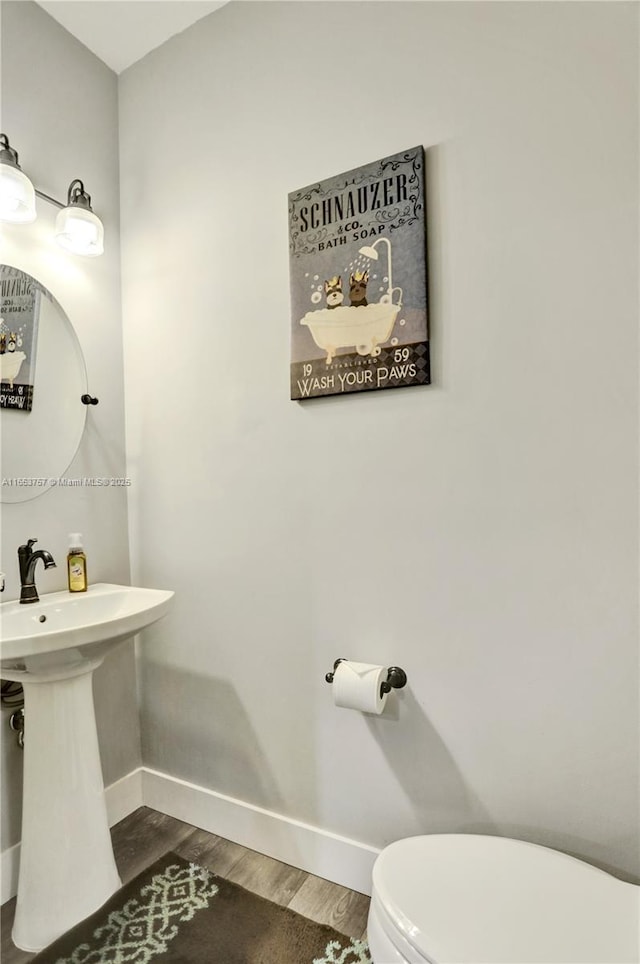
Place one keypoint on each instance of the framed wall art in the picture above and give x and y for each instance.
(19, 313)
(357, 257)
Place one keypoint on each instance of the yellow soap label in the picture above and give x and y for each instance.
(77, 574)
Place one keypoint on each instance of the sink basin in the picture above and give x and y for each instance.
(52, 647)
(69, 633)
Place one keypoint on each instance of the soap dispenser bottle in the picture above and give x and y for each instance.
(76, 564)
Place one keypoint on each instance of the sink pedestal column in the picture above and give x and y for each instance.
(67, 868)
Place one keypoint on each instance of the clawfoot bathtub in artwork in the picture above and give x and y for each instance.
(10, 365)
(364, 328)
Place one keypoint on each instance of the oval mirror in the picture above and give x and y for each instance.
(42, 417)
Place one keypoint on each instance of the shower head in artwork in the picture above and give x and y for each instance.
(369, 251)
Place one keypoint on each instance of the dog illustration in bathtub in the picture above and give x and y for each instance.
(361, 325)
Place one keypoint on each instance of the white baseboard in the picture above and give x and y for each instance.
(9, 878)
(309, 848)
(320, 852)
(122, 798)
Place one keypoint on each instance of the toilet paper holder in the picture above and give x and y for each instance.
(396, 678)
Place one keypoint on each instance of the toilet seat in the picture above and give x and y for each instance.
(473, 899)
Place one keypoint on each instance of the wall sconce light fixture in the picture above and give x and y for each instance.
(17, 193)
(77, 228)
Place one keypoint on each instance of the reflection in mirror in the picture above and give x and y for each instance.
(43, 378)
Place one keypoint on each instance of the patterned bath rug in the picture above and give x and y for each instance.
(179, 913)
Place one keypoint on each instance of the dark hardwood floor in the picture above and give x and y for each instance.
(145, 835)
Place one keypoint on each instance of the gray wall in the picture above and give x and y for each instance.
(60, 111)
(482, 532)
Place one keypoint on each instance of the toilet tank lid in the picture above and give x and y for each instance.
(477, 898)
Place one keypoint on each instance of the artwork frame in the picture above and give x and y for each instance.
(366, 227)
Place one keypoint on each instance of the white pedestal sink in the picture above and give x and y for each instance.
(52, 647)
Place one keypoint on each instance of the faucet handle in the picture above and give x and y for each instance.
(26, 550)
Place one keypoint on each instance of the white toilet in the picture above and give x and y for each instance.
(472, 899)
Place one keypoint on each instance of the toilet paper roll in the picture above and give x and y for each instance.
(356, 686)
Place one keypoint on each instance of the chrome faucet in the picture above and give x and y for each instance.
(27, 559)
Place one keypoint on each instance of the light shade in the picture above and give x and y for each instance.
(78, 229)
(17, 194)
